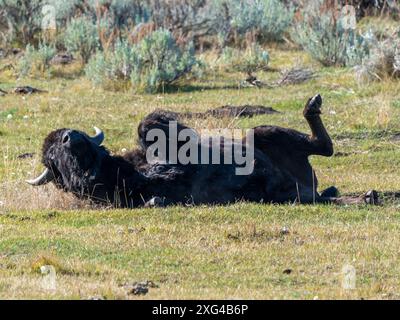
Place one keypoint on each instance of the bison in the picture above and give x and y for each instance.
(281, 173)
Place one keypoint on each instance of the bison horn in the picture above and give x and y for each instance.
(44, 178)
(99, 137)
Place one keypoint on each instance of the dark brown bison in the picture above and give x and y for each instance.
(281, 171)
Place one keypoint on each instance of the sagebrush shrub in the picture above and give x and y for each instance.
(246, 17)
(121, 13)
(248, 61)
(124, 61)
(65, 10)
(106, 68)
(327, 38)
(184, 18)
(81, 36)
(188, 20)
(36, 61)
(268, 18)
(383, 61)
(96, 69)
(276, 19)
(20, 20)
(162, 61)
(152, 64)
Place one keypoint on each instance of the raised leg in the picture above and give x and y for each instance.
(321, 143)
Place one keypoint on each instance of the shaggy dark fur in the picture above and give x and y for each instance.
(282, 172)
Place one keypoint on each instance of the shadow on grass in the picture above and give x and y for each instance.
(68, 75)
(367, 134)
(389, 198)
(195, 88)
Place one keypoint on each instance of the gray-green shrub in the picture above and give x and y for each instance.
(162, 62)
(277, 18)
(104, 68)
(81, 36)
(326, 37)
(36, 61)
(96, 69)
(383, 61)
(248, 61)
(20, 20)
(121, 13)
(268, 18)
(152, 64)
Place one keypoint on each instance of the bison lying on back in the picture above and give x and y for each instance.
(282, 173)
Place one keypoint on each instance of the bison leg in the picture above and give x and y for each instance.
(371, 197)
(321, 143)
(331, 192)
(308, 196)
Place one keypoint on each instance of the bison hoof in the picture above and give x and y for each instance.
(371, 197)
(155, 202)
(331, 192)
(313, 106)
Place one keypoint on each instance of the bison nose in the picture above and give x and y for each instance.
(66, 138)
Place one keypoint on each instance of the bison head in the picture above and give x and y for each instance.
(71, 158)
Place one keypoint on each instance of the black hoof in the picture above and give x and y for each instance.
(155, 202)
(371, 197)
(313, 106)
(331, 192)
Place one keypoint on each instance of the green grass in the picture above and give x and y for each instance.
(237, 251)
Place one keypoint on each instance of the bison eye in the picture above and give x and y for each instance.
(65, 138)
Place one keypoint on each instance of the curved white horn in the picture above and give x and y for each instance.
(99, 137)
(44, 178)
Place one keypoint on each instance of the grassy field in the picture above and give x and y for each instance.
(238, 251)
